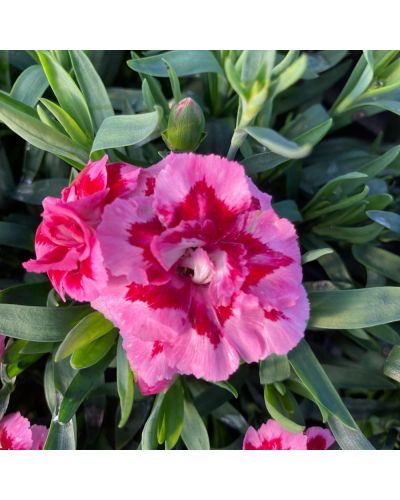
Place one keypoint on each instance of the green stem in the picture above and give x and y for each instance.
(238, 137)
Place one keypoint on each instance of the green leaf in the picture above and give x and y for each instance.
(349, 309)
(348, 439)
(194, 432)
(231, 417)
(314, 378)
(126, 130)
(30, 85)
(92, 88)
(16, 235)
(82, 384)
(61, 436)
(40, 324)
(277, 143)
(170, 418)
(312, 255)
(309, 127)
(392, 364)
(24, 121)
(390, 220)
(378, 165)
(385, 333)
(256, 66)
(283, 408)
(37, 347)
(34, 192)
(288, 209)
(228, 387)
(352, 234)
(335, 189)
(262, 162)
(50, 391)
(289, 76)
(184, 62)
(357, 377)
(90, 328)
(67, 92)
(174, 82)
(149, 433)
(274, 369)
(5, 393)
(358, 82)
(68, 123)
(92, 353)
(383, 262)
(125, 384)
(32, 294)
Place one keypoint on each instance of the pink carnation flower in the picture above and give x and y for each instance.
(2, 346)
(202, 272)
(272, 436)
(66, 244)
(16, 433)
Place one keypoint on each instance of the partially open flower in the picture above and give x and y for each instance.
(66, 244)
(16, 433)
(272, 436)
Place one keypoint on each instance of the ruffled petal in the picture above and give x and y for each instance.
(15, 432)
(284, 328)
(127, 229)
(149, 361)
(272, 436)
(39, 436)
(203, 350)
(244, 327)
(319, 438)
(196, 187)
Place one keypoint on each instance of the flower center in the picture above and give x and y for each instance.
(197, 264)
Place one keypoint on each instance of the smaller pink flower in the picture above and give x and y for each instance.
(16, 433)
(66, 244)
(2, 346)
(272, 436)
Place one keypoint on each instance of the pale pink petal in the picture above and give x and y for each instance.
(252, 440)
(194, 354)
(15, 432)
(284, 328)
(319, 438)
(148, 390)
(39, 436)
(259, 200)
(203, 350)
(147, 312)
(196, 187)
(230, 272)
(125, 234)
(149, 361)
(244, 327)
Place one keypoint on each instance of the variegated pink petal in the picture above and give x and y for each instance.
(15, 432)
(196, 187)
(319, 438)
